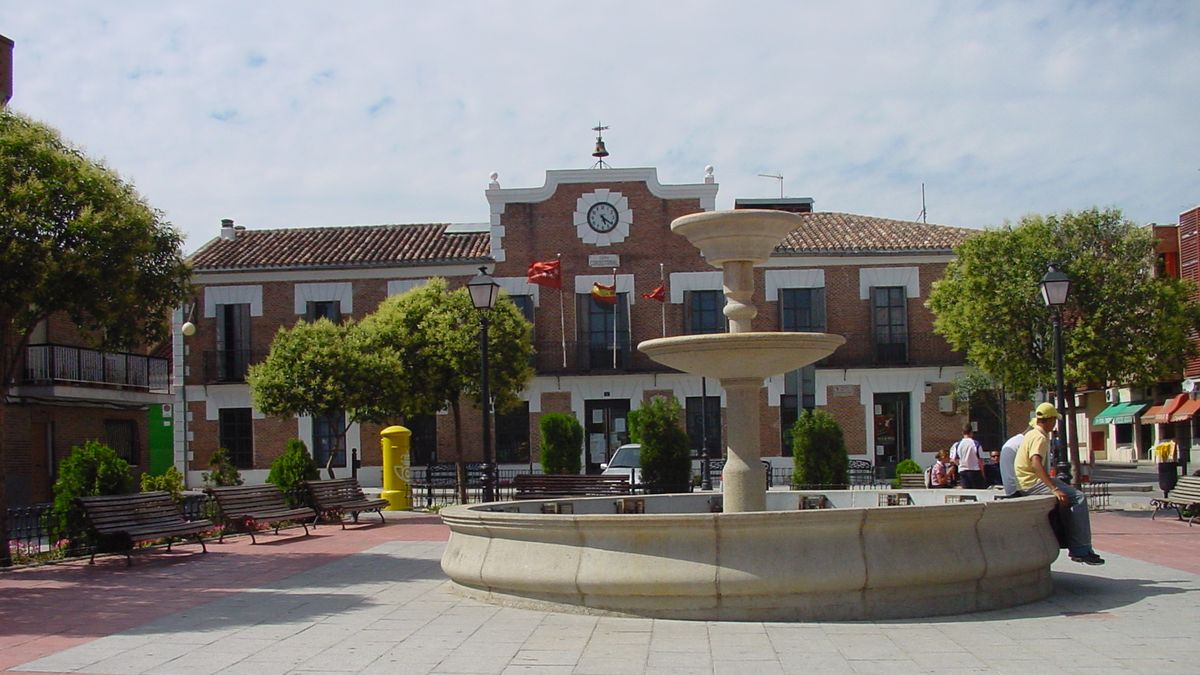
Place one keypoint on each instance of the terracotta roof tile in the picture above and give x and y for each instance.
(847, 233)
(355, 246)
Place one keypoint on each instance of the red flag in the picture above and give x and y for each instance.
(659, 294)
(546, 273)
(604, 294)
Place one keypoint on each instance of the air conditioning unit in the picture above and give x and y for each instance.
(946, 404)
(1111, 396)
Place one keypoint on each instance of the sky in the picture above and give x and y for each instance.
(302, 114)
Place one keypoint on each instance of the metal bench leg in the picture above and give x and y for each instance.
(305, 526)
(203, 547)
(381, 518)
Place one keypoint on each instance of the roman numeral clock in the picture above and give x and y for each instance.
(602, 217)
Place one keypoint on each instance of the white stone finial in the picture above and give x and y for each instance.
(495, 181)
(708, 174)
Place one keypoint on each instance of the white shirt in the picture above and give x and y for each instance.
(1008, 457)
(969, 454)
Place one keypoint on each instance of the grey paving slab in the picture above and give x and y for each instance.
(1123, 617)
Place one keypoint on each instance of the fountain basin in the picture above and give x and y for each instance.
(741, 355)
(677, 560)
(741, 235)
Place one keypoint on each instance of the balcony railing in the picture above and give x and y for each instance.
(584, 357)
(62, 364)
(229, 365)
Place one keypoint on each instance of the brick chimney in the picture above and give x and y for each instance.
(227, 229)
(6, 70)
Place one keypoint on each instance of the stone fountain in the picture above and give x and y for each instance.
(750, 554)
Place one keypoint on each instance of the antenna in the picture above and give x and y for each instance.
(778, 177)
(600, 152)
(923, 213)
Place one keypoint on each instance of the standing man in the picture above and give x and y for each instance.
(1034, 479)
(967, 453)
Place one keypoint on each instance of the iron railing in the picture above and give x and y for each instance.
(64, 364)
(229, 365)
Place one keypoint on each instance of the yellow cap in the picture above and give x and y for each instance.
(1046, 411)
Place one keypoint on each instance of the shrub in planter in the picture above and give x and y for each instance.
(171, 481)
(666, 456)
(292, 467)
(905, 466)
(91, 469)
(224, 473)
(562, 443)
(818, 450)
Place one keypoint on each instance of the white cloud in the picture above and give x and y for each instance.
(307, 114)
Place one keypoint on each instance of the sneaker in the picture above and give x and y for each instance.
(1088, 559)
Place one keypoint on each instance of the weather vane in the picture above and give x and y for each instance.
(600, 153)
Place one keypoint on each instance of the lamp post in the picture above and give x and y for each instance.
(187, 330)
(484, 290)
(1055, 287)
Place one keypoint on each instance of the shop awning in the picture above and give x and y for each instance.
(1161, 414)
(1186, 411)
(1119, 413)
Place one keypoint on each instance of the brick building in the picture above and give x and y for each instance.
(862, 277)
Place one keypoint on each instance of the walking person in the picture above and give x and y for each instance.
(1034, 479)
(967, 453)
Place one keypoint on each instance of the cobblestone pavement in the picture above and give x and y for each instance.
(375, 600)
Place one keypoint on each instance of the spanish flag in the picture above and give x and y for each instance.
(605, 295)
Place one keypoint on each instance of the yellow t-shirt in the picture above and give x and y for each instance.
(1035, 442)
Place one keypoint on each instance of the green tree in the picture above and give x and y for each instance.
(76, 239)
(666, 456)
(818, 450)
(223, 473)
(170, 481)
(428, 341)
(91, 469)
(1120, 324)
(562, 443)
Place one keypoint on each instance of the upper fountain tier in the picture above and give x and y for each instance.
(741, 235)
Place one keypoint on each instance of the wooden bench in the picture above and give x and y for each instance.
(538, 486)
(141, 517)
(246, 506)
(1186, 495)
(341, 496)
(912, 481)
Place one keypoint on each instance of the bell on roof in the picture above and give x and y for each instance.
(600, 152)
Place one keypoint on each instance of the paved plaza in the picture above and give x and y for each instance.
(373, 599)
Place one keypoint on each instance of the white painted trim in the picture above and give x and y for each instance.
(807, 278)
(681, 282)
(214, 277)
(872, 277)
(227, 396)
(801, 261)
(624, 217)
(520, 286)
(583, 284)
(232, 295)
(341, 292)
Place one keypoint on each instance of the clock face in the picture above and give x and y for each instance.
(603, 217)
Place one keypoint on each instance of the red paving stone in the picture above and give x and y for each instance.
(46, 609)
(1164, 541)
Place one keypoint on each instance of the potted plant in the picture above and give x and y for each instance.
(1168, 468)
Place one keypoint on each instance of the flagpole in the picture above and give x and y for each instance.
(662, 279)
(562, 315)
(616, 315)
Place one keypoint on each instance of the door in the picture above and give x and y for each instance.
(605, 431)
(892, 443)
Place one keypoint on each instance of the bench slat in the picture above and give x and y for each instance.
(340, 496)
(136, 518)
(247, 505)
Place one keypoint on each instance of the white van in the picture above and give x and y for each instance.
(626, 461)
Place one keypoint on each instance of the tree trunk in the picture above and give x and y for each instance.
(5, 554)
(460, 467)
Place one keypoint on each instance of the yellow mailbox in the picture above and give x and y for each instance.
(395, 441)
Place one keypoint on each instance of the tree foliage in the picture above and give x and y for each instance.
(1120, 323)
(562, 443)
(79, 240)
(666, 456)
(223, 473)
(292, 467)
(818, 450)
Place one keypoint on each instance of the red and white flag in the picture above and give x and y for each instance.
(546, 273)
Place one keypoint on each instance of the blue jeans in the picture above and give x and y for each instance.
(1079, 524)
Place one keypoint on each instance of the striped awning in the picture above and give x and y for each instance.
(1119, 413)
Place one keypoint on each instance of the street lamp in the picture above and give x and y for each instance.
(1055, 287)
(484, 290)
